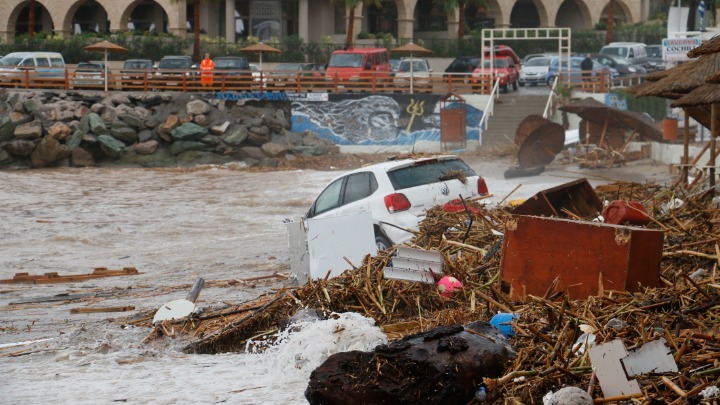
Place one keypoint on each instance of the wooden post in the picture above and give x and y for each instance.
(713, 152)
(195, 290)
(686, 150)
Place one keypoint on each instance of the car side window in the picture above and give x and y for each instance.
(359, 186)
(369, 62)
(29, 62)
(44, 62)
(329, 198)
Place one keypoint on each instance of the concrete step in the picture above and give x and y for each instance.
(508, 112)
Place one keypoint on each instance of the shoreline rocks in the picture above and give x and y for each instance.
(74, 129)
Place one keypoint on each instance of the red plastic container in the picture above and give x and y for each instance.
(625, 212)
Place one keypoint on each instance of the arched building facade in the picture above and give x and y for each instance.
(312, 20)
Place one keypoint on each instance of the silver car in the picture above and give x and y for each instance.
(535, 70)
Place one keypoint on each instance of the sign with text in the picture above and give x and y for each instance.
(676, 49)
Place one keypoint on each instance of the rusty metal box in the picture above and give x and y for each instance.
(576, 197)
(585, 257)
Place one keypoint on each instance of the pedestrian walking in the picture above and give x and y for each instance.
(206, 71)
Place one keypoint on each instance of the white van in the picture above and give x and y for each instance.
(39, 64)
(635, 52)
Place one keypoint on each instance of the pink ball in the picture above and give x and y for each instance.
(447, 286)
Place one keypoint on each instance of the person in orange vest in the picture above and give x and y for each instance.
(206, 71)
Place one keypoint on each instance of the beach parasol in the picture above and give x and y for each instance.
(105, 47)
(411, 48)
(594, 111)
(260, 48)
(539, 141)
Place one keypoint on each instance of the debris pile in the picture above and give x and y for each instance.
(553, 334)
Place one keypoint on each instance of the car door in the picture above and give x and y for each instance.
(346, 195)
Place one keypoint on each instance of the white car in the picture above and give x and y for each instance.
(397, 193)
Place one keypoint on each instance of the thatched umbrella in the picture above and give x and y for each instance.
(708, 47)
(684, 78)
(260, 48)
(105, 46)
(592, 110)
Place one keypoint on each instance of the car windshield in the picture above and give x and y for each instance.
(175, 64)
(346, 60)
(10, 61)
(230, 63)
(427, 172)
(137, 64)
(618, 51)
(417, 66)
(654, 51)
(89, 66)
(499, 63)
(538, 61)
(287, 67)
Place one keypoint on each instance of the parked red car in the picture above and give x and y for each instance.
(504, 69)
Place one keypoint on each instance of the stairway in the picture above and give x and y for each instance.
(509, 110)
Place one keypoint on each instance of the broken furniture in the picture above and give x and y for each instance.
(575, 199)
(586, 258)
(414, 265)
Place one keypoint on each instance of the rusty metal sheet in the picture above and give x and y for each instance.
(576, 197)
(586, 257)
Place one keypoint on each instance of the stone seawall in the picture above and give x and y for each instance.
(53, 129)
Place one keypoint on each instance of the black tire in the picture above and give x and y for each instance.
(522, 84)
(505, 88)
(515, 85)
(382, 243)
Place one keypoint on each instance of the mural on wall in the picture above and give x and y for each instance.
(355, 119)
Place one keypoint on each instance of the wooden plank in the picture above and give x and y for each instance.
(105, 309)
(54, 277)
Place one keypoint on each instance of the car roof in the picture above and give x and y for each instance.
(361, 50)
(138, 60)
(231, 57)
(399, 163)
(176, 57)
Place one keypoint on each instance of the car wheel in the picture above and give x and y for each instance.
(382, 242)
(550, 81)
(522, 84)
(505, 88)
(515, 85)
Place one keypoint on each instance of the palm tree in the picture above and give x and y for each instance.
(451, 5)
(610, 22)
(196, 27)
(31, 19)
(350, 5)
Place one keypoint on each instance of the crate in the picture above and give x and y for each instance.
(586, 257)
(576, 197)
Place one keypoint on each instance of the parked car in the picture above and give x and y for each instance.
(354, 66)
(288, 74)
(623, 66)
(635, 52)
(233, 68)
(135, 72)
(394, 65)
(575, 70)
(462, 66)
(505, 70)
(89, 75)
(421, 70)
(171, 69)
(397, 193)
(46, 65)
(655, 59)
(534, 70)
